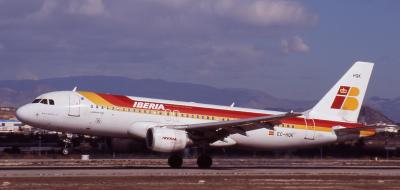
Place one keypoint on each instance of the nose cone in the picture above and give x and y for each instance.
(24, 114)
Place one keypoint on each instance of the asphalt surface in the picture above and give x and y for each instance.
(228, 174)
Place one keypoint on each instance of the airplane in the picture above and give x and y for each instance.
(172, 126)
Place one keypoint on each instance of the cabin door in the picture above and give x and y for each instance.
(310, 129)
(74, 106)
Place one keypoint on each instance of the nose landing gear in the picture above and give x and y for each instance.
(67, 140)
(65, 150)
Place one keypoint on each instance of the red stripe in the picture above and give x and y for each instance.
(127, 101)
(117, 100)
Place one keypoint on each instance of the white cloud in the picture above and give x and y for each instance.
(25, 74)
(255, 12)
(294, 44)
(50, 8)
(47, 8)
(87, 7)
(266, 12)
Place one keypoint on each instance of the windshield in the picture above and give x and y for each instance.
(36, 101)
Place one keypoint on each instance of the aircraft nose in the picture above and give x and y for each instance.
(23, 114)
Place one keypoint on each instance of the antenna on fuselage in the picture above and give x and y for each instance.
(233, 104)
(74, 90)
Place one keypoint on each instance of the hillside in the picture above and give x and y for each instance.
(371, 115)
(390, 107)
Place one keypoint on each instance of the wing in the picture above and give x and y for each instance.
(213, 131)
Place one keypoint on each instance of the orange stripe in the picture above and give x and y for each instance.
(96, 99)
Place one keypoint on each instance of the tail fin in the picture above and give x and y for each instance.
(343, 101)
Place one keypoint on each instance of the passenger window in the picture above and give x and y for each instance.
(51, 102)
(36, 101)
(44, 101)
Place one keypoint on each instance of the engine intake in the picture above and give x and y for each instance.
(166, 140)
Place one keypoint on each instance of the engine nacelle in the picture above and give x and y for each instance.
(139, 129)
(166, 140)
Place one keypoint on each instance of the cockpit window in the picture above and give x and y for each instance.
(44, 101)
(51, 102)
(36, 101)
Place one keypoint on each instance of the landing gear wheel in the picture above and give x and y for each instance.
(175, 161)
(67, 140)
(204, 161)
(65, 151)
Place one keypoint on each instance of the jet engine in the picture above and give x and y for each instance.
(166, 140)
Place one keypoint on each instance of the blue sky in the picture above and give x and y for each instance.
(287, 48)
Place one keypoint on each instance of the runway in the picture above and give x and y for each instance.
(250, 173)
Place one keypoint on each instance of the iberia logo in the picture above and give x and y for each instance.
(346, 98)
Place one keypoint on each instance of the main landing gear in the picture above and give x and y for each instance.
(203, 161)
(175, 161)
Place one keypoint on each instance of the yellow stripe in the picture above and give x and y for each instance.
(96, 99)
(363, 133)
(317, 128)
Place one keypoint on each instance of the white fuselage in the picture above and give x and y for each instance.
(75, 113)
